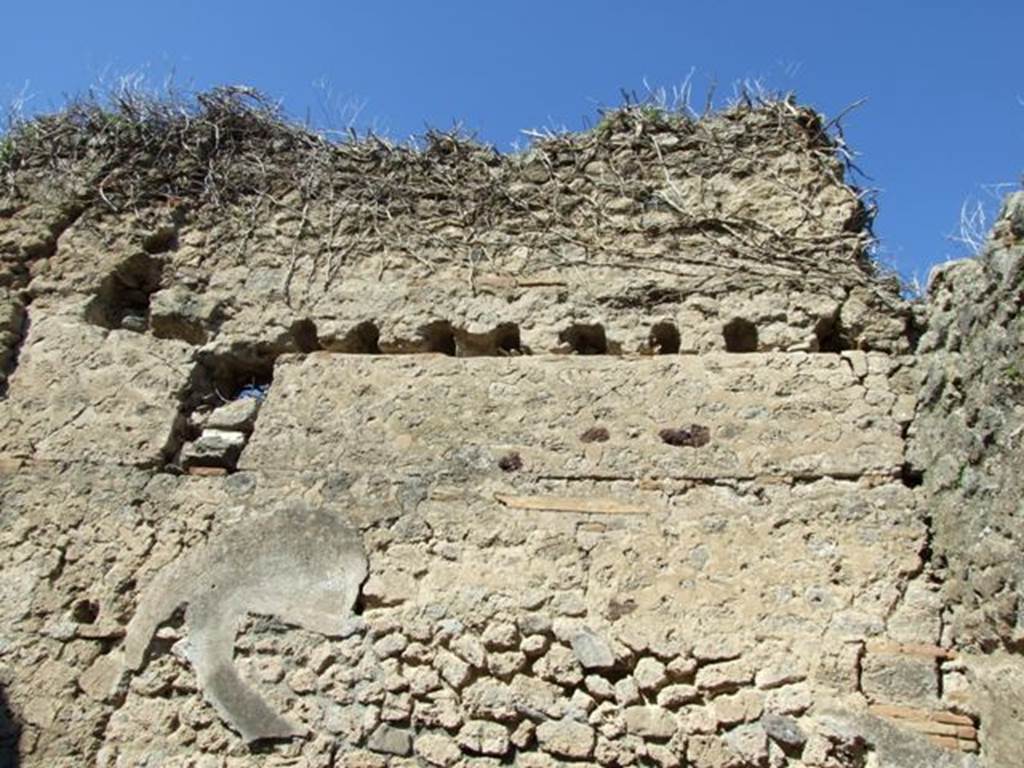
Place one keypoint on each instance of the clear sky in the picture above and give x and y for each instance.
(943, 123)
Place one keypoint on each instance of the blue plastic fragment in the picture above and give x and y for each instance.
(254, 391)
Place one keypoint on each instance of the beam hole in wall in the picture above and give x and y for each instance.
(503, 341)
(304, 336)
(507, 340)
(911, 476)
(218, 410)
(830, 336)
(439, 337)
(161, 240)
(740, 335)
(664, 339)
(85, 612)
(243, 368)
(585, 339)
(122, 300)
(363, 339)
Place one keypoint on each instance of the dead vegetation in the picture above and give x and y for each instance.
(446, 197)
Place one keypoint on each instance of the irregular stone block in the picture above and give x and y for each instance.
(390, 740)
(437, 748)
(785, 731)
(237, 416)
(650, 722)
(674, 696)
(215, 447)
(566, 738)
(724, 677)
(650, 675)
(488, 699)
(484, 738)
(900, 679)
(591, 651)
(453, 669)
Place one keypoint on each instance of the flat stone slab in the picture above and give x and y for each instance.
(770, 414)
(81, 393)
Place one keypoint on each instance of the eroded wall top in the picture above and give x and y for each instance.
(652, 232)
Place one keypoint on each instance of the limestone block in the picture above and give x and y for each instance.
(390, 740)
(650, 675)
(566, 738)
(484, 737)
(84, 394)
(900, 679)
(214, 447)
(488, 699)
(537, 697)
(725, 676)
(773, 414)
(505, 665)
(741, 707)
(650, 721)
(784, 731)
(470, 649)
(453, 669)
(674, 696)
(437, 748)
(559, 665)
(500, 636)
(599, 687)
(789, 700)
(178, 313)
(237, 416)
(592, 651)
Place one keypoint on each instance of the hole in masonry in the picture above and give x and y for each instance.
(85, 612)
(219, 408)
(161, 240)
(122, 300)
(364, 339)
(304, 336)
(664, 339)
(244, 373)
(359, 608)
(503, 341)
(829, 334)
(595, 435)
(690, 436)
(163, 642)
(439, 337)
(507, 340)
(14, 323)
(585, 339)
(911, 477)
(510, 462)
(740, 336)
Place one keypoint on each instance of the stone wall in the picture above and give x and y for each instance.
(591, 455)
(967, 442)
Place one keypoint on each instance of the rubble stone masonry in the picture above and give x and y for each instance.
(615, 452)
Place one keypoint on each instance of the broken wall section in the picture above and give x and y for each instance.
(967, 437)
(736, 231)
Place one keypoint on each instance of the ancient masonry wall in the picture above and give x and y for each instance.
(967, 441)
(593, 455)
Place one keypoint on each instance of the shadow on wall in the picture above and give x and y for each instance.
(10, 735)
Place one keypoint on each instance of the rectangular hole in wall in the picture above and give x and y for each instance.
(218, 410)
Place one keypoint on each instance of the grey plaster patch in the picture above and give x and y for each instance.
(303, 567)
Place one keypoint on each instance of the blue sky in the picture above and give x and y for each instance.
(943, 124)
